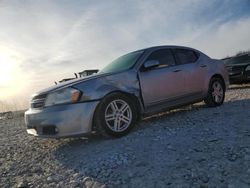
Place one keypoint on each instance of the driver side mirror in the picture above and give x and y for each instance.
(151, 64)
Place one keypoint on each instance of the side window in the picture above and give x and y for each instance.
(164, 56)
(186, 56)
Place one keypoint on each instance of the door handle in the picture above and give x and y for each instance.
(177, 70)
(203, 66)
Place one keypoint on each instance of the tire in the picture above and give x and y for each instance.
(216, 93)
(116, 115)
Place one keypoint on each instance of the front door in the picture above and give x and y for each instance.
(163, 83)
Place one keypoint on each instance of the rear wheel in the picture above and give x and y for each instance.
(116, 115)
(216, 92)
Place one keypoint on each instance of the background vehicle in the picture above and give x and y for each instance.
(238, 68)
(81, 74)
(141, 82)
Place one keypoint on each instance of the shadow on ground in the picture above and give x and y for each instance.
(187, 146)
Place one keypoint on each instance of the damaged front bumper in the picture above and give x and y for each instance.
(61, 120)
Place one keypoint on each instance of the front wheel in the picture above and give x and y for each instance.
(216, 93)
(116, 115)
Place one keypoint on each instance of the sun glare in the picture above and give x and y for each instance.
(12, 79)
(6, 67)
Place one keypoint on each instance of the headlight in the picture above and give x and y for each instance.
(248, 68)
(67, 95)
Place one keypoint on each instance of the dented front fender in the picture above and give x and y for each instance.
(96, 89)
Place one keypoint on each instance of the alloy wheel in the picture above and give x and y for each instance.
(118, 115)
(217, 92)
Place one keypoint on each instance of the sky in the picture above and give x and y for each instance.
(46, 41)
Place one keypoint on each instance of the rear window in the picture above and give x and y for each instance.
(186, 56)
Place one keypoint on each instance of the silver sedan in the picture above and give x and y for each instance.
(138, 83)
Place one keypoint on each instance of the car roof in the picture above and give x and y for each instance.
(166, 46)
(152, 48)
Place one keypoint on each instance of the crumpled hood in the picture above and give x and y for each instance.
(70, 83)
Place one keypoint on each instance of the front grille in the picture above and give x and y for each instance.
(38, 101)
(238, 69)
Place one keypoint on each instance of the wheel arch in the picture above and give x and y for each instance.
(138, 105)
(209, 100)
(220, 77)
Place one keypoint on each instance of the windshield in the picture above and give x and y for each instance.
(122, 63)
(238, 60)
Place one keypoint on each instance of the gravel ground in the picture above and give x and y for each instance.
(194, 146)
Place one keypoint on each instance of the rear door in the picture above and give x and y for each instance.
(163, 83)
(194, 71)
